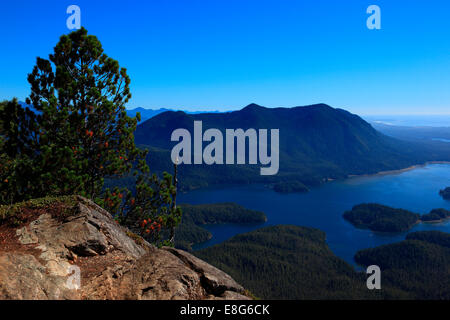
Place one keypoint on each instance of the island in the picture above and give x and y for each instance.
(377, 217)
(445, 193)
(436, 215)
(190, 232)
(290, 187)
(380, 218)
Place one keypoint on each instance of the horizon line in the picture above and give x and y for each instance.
(199, 109)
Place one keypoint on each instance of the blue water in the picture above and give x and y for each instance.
(322, 208)
(440, 139)
(411, 120)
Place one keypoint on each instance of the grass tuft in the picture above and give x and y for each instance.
(16, 214)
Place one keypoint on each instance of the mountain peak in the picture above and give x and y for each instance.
(318, 106)
(323, 105)
(257, 107)
(253, 106)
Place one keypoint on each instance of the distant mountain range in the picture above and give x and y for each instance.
(405, 120)
(415, 133)
(145, 113)
(150, 113)
(317, 143)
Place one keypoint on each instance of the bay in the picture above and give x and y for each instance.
(416, 190)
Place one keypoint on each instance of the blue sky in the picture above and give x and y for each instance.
(223, 55)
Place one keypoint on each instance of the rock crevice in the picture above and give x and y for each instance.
(87, 255)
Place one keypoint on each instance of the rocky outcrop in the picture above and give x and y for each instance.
(87, 255)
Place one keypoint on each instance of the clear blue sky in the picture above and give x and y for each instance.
(225, 54)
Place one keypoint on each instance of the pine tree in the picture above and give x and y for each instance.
(84, 131)
(80, 134)
(18, 137)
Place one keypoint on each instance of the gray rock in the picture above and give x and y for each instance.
(111, 265)
(215, 281)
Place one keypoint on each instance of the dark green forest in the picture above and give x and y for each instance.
(380, 218)
(190, 232)
(420, 265)
(436, 215)
(436, 237)
(290, 262)
(290, 187)
(377, 217)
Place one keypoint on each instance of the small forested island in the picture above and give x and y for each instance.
(290, 187)
(189, 231)
(436, 215)
(445, 193)
(380, 218)
(377, 217)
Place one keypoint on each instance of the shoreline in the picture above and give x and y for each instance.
(398, 171)
(326, 180)
(443, 220)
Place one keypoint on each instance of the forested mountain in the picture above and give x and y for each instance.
(317, 143)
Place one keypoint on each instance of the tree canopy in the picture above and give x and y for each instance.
(78, 134)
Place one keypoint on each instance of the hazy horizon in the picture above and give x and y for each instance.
(414, 120)
(214, 109)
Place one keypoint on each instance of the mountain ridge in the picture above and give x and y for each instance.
(317, 143)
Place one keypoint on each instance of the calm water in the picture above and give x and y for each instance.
(412, 120)
(322, 208)
(440, 139)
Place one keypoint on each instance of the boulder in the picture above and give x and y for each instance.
(87, 255)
